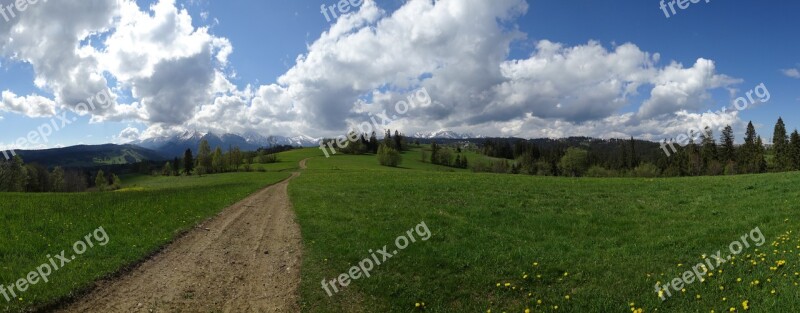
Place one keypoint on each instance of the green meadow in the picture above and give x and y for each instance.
(148, 213)
(500, 243)
(507, 243)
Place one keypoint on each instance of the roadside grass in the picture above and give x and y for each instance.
(139, 220)
(604, 243)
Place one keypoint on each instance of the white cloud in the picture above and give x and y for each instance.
(791, 72)
(458, 50)
(129, 134)
(31, 105)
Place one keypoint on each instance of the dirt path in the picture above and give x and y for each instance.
(246, 259)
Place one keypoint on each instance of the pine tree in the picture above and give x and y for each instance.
(398, 141)
(728, 147)
(780, 145)
(694, 159)
(176, 167)
(373, 143)
(748, 153)
(709, 152)
(188, 162)
(434, 153)
(634, 159)
(794, 149)
(760, 156)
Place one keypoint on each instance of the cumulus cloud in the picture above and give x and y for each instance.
(129, 134)
(31, 105)
(459, 50)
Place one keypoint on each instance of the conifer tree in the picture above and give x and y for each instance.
(780, 144)
(794, 143)
(728, 147)
(188, 162)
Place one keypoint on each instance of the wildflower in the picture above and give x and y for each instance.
(745, 305)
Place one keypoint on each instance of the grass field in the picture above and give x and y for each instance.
(148, 213)
(598, 245)
(499, 242)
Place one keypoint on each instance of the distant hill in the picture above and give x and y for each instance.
(175, 146)
(90, 156)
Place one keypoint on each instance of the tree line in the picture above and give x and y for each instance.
(16, 176)
(217, 161)
(582, 156)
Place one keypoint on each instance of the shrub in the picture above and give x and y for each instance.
(646, 170)
(481, 166)
(100, 181)
(575, 162)
(267, 158)
(599, 171)
(388, 156)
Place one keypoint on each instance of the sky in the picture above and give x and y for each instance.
(116, 71)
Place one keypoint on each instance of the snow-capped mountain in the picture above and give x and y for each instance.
(445, 134)
(270, 141)
(174, 146)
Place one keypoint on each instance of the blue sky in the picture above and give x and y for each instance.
(749, 42)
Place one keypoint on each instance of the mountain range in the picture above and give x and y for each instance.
(168, 147)
(89, 156)
(175, 146)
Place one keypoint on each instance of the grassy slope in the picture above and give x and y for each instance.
(138, 220)
(614, 237)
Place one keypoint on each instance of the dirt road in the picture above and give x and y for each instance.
(246, 259)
